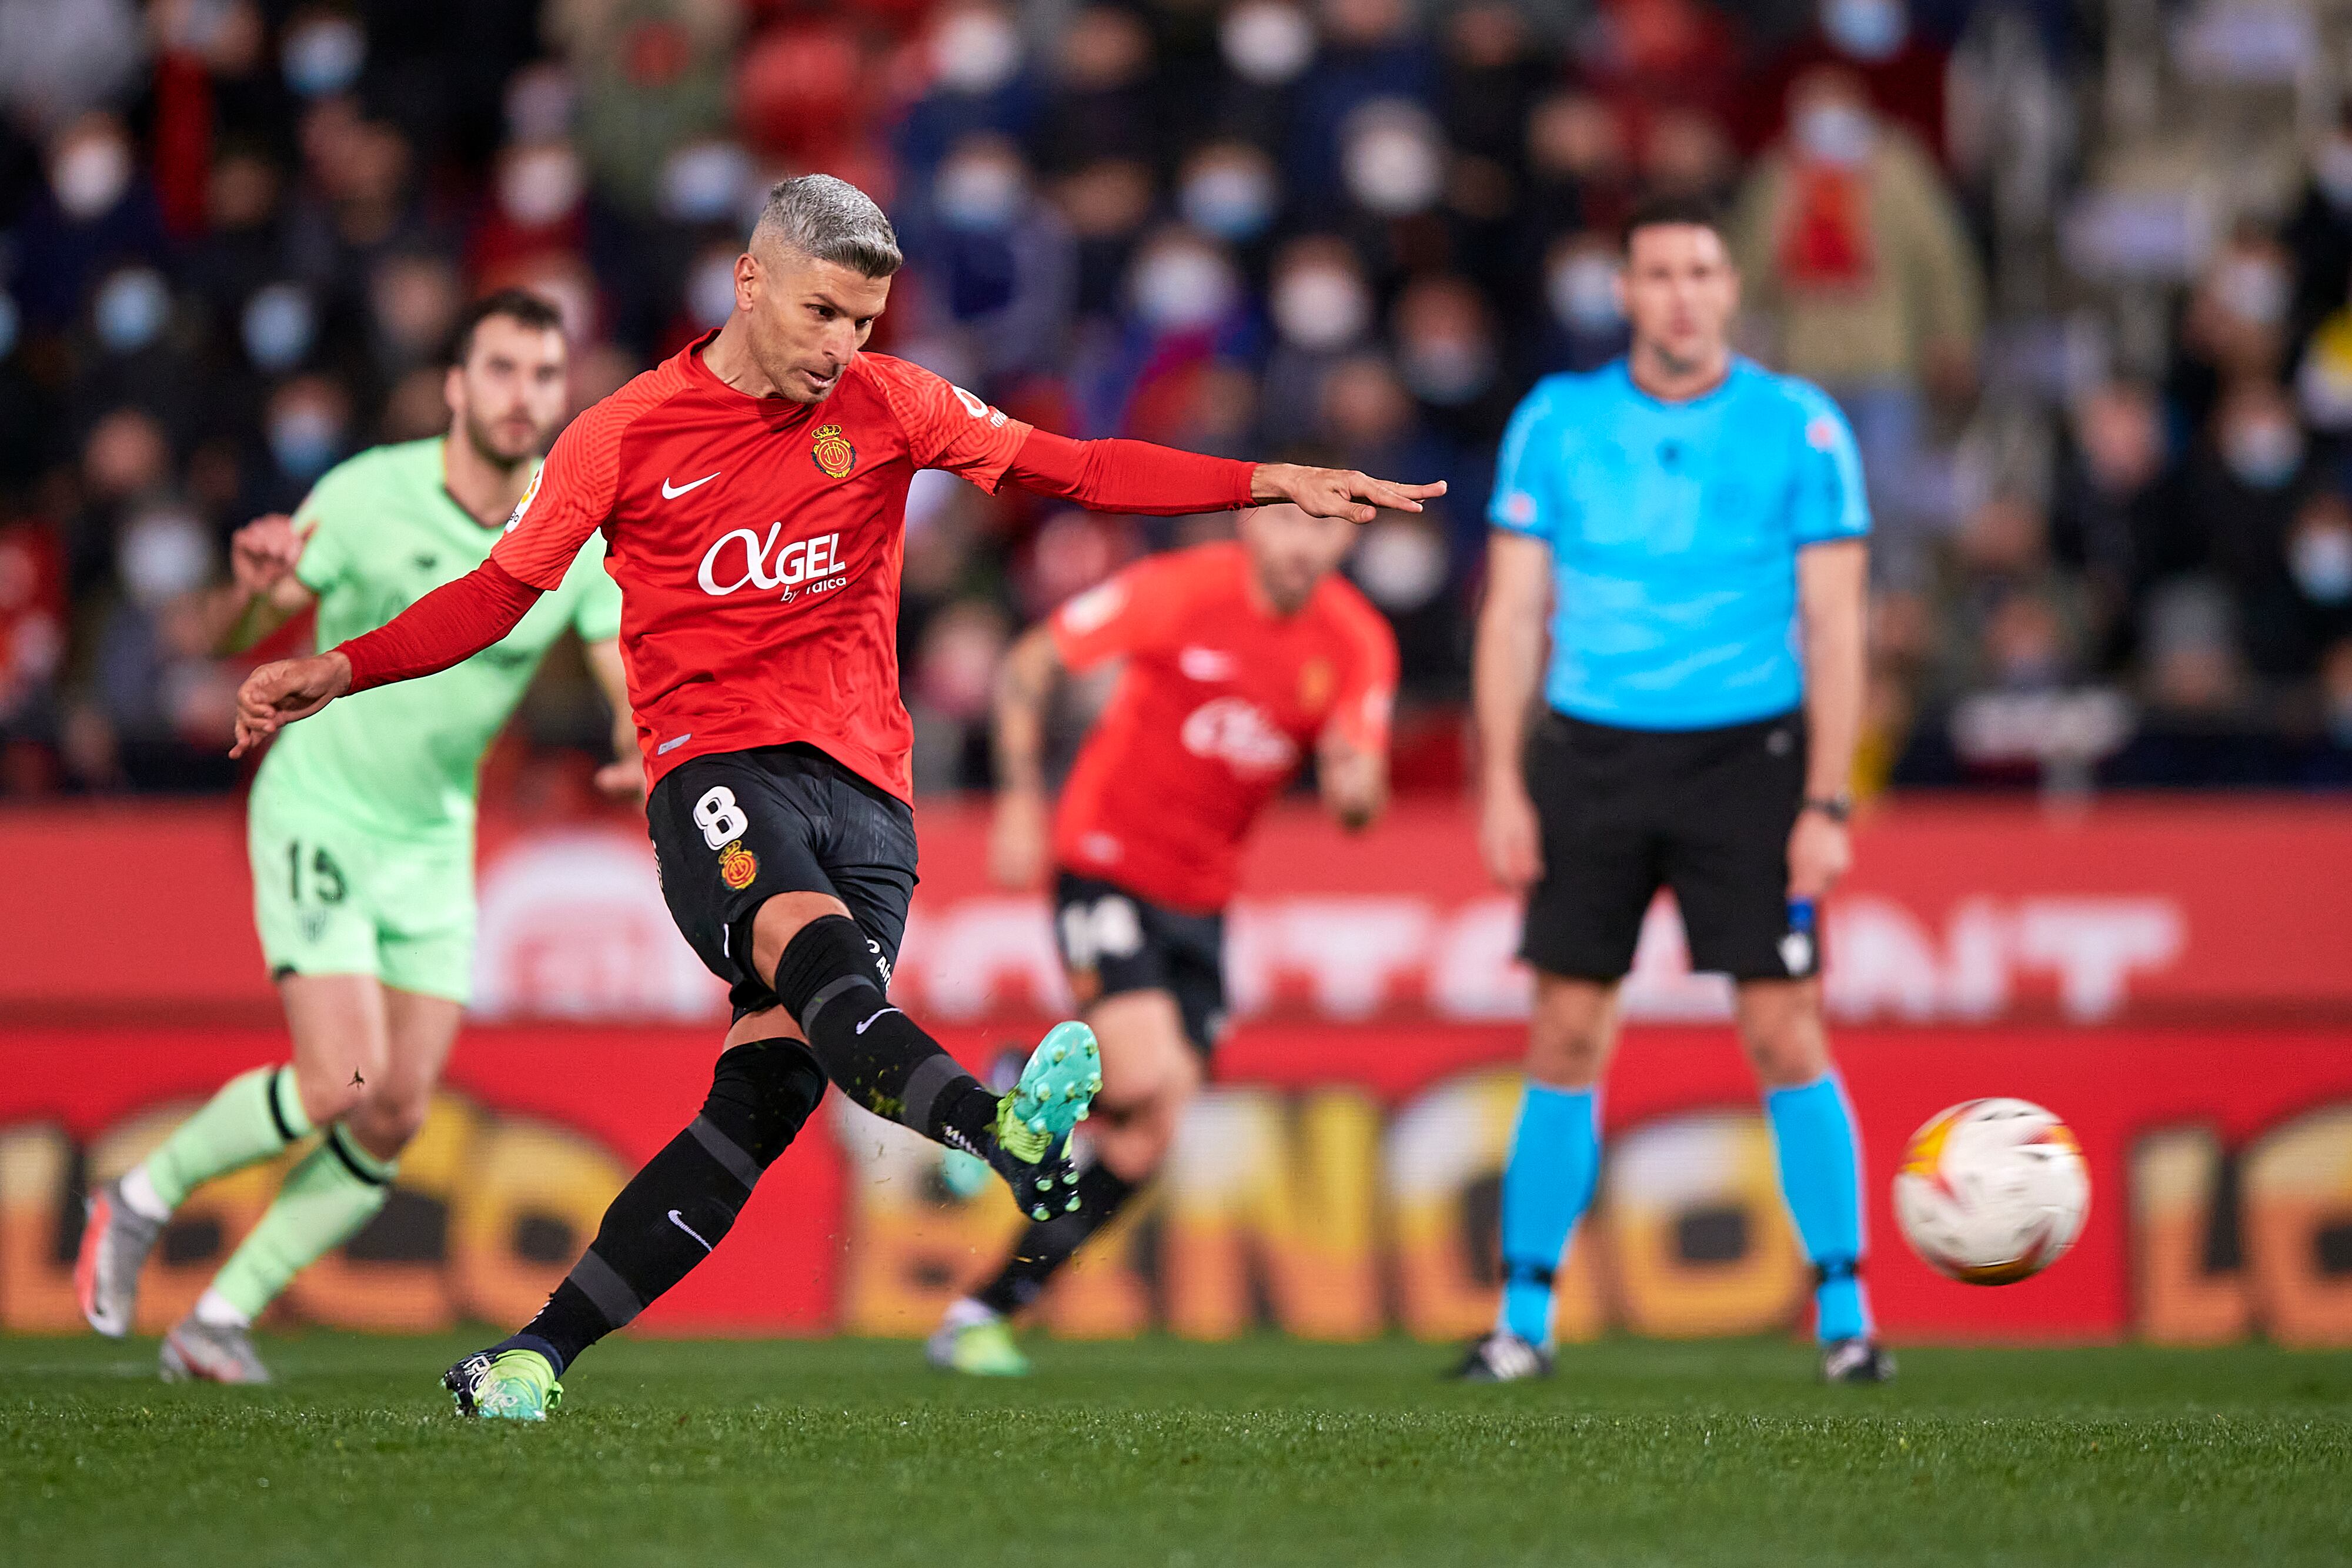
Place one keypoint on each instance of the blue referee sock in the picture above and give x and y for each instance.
(1820, 1175)
(1555, 1161)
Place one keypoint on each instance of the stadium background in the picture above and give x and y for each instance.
(2080, 278)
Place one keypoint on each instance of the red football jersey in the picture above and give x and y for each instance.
(1219, 703)
(758, 543)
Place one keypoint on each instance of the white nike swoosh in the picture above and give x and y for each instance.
(861, 1027)
(682, 1225)
(671, 492)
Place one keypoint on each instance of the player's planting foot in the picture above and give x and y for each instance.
(979, 1346)
(504, 1386)
(1856, 1361)
(115, 1241)
(1031, 1146)
(1503, 1358)
(197, 1352)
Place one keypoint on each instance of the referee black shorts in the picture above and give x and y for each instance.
(1706, 813)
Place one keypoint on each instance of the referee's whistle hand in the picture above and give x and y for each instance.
(1510, 839)
(1337, 492)
(1819, 853)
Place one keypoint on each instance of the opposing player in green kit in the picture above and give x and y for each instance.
(361, 830)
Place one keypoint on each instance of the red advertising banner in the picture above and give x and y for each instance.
(1339, 1180)
(2225, 911)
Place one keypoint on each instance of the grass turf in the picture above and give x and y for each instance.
(1261, 1452)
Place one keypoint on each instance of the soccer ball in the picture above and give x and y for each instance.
(1992, 1191)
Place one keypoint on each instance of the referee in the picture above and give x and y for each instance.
(1689, 529)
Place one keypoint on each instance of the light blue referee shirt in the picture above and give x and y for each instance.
(1674, 529)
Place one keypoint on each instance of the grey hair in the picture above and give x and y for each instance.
(829, 219)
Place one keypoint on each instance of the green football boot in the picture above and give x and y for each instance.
(985, 1349)
(1033, 1118)
(504, 1386)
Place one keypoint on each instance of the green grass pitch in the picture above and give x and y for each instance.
(1263, 1453)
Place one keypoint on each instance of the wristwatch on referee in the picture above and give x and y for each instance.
(1836, 807)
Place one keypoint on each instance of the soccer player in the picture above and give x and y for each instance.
(361, 830)
(1239, 659)
(752, 492)
(1692, 529)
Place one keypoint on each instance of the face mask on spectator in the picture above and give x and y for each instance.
(541, 186)
(1582, 292)
(703, 183)
(304, 441)
(131, 310)
(2263, 453)
(1835, 132)
(2321, 559)
(1321, 307)
(90, 176)
(1400, 564)
(1180, 288)
(278, 325)
(1448, 371)
(1393, 164)
(1865, 30)
(1232, 201)
(711, 291)
(975, 52)
(324, 56)
(2331, 171)
(2253, 289)
(1267, 43)
(979, 192)
(162, 555)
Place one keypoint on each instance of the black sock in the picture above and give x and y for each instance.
(827, 978)
(1047, 1244)
(684, 1200)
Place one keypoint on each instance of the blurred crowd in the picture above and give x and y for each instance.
(233, 233)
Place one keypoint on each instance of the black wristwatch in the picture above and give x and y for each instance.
(1836, 807)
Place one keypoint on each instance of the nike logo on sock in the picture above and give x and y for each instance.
(862, 1028)
(672, 492)
(682, 1225)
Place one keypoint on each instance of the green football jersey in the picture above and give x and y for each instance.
(383, 531)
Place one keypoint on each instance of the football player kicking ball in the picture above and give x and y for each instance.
(361, 830)
(751, 491)
(1239, 659)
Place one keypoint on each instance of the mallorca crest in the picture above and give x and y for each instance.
(737, 866)
(832, 453)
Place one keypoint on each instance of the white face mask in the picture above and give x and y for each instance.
(705, 183)
(1400, 564)
(979, 192)
(1392, 162)
(278, 325)
(1582, 293)
(1448, 371)
(2321, 559)
(132, 308)
(324, 56)
(90, 176)
(2265, 453)
(1865, 30)
(162, 555)
(305, 439)
(975, 52)
(1835, 133)
(541, 186)
(1266, 42)
(1234, 200)
(1321, 307)
(1183, 287)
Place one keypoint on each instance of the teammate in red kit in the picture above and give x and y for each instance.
(1240, 660)
(752, 492)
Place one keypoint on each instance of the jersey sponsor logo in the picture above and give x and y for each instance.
(1240, 734)
(1206, 664)
(529, 493)
(1094, 608)
(811, 565)
(830, 450)
(672, 492)
(737, 866)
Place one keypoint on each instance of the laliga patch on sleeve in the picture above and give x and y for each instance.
(529, 495)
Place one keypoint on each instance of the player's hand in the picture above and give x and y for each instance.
(1337, 492)
(1016, 840)
(1510, 837)
(262, 552)
(277, 694)
(1819, 851)
(623, 779)
(1354, 784)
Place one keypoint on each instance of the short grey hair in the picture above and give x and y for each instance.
(829, 219)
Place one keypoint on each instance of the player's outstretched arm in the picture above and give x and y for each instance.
(1025, 685)
(447, 626)
(1137, 477)
(1337, 492)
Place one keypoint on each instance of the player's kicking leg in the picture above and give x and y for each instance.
(1150, 1072)
(1820, 1166)
(1554, 1165)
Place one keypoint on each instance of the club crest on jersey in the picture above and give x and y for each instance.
(737, 866)
(830, 450)
(1316, 679)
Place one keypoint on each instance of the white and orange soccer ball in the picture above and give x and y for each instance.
(1992, 1191)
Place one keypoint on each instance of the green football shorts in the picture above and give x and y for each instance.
(333, 897)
